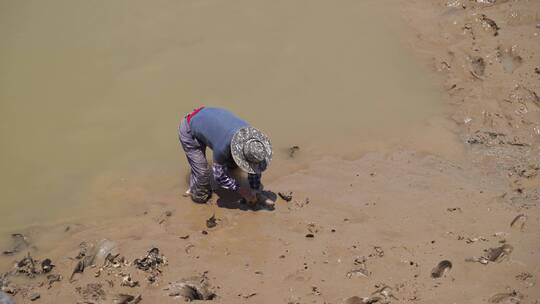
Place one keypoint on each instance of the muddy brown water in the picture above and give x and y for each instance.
(91, 92)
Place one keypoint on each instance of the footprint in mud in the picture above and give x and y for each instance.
(513, 297)
(509, 58)
(127, 299)
(478, 66)
(194, 288)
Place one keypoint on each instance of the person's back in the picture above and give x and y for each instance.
(215, 127)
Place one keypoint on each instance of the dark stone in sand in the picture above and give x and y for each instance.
(35, 296)
(211, 222)
(46, 266)
(285, 197)
(310, 235)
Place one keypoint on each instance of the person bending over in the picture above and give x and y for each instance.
(234, 144)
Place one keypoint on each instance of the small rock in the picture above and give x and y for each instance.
(34, 296)
(441, 268)
(310, 235)
(46, 265)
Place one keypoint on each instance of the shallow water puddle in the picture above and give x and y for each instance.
(91, 92)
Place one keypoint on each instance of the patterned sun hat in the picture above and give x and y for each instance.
(251, 150)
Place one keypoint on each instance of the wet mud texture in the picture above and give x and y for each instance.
(399, 226)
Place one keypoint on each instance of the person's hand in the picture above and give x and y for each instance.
(247, 194)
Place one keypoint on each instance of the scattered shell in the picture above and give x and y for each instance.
(152, 260)
(361, 272)
(441, 268)
(481, 260)
(29, 266)
(384, 294)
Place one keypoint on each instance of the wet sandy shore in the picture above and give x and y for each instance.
(372, 228)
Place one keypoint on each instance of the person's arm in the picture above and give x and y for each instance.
(255, 181)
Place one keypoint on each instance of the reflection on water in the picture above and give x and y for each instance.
(92, 91)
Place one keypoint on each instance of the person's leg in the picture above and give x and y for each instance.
(199, 180)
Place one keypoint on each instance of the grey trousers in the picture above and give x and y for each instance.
(199, 180)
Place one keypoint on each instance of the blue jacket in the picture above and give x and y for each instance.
(215, 128)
